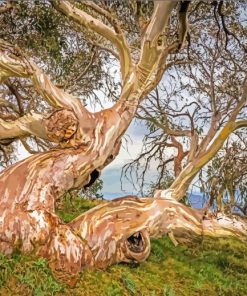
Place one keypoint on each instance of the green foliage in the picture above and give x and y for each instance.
(38, 28)
(94, 191)
(70, 207)
(60, 47)
(226, 174)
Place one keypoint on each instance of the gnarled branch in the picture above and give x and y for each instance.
(14, 63)
(153, 43)
(30, 124)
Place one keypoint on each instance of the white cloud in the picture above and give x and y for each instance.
(21, 151)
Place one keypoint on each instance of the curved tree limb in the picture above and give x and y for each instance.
(17, 96)
(181, 183)
(241, 123)
(108, 15)
(87, 242)
(205, 154)
(58, 127)
(151, 48)
(116, 38)
(183, 22)
(30, 124)
(13, 63)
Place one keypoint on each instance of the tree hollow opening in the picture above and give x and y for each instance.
(136, 243)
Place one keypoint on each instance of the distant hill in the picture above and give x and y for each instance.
(196, 200)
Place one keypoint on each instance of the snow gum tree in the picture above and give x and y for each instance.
(84, 142)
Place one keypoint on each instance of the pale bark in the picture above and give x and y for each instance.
(86, 20)
(208, 148)
(96, 135)
(184, 179)
(14, 64)
(30, 124)
(111, 233)
(117, 231)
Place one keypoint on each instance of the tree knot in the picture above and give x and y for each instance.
(61, 125)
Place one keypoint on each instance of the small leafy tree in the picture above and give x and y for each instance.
(225, 182)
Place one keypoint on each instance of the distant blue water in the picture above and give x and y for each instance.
(195, 199)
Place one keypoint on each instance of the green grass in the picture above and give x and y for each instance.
(69, 209)
(212, 267)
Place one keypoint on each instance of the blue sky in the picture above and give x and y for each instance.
(131, 147)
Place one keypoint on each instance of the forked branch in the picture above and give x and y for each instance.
(154, 42)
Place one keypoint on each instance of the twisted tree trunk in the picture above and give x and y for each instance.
(118, 231)
(87, 142)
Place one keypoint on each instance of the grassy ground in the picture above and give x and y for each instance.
(211, 267)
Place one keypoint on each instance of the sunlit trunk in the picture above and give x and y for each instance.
(118, 231)
(182, 182)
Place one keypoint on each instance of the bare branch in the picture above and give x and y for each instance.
(8, 104)
(30, 124)
(229, 127)
(179, 157)
(13, 63)
(227, 32)
(17, 96)
(240, 124)
(183, 22)
(27, 146)
(116, 38)
(102, 47)
(110, 16)
(165, 127)
(83, 73)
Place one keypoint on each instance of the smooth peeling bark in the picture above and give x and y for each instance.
(184, 179)
(23, 126)
(117, 231)
(159, 216)
(57, 127)
(120, 230)
(30, 188)
(60, 170)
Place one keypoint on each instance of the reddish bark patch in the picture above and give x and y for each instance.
(61, 125)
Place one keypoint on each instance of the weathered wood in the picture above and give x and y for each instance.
(119, 230)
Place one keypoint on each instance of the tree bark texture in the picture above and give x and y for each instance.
(118, 231)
